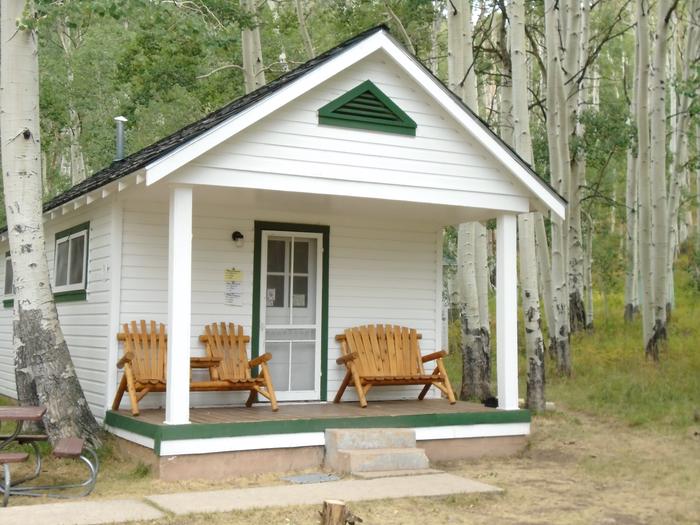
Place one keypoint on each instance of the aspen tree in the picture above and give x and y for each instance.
(253, 68)
(534, 342)
(44, 371)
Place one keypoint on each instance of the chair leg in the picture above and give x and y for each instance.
(268, 385)
(131, 387)
(252, 397)
(343, 386)
(120, 393)
(446, 382)
(358, 386)
(8, 484)
(423, 392)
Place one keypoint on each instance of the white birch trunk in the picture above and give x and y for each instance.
(460, 57)
(473, 270)
(560, 165)
(534, 342)
(544, 272)
(483, 279)
(475, 353)
(253, 69)
(681, 131)
(658, 179)
(44, 371)
(631, 212)
(304, 30)
(644, 174)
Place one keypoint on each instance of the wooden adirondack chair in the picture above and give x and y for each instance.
(229, 366)
(145, 350)
(388, 355)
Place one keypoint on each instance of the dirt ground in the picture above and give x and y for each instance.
(577, 469)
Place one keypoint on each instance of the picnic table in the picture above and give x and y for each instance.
(73, 448)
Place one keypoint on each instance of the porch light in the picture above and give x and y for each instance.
(238, 238)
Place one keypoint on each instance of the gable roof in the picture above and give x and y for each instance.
(154, 155)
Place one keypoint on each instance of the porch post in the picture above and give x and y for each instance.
(507, 311)
(177, 397)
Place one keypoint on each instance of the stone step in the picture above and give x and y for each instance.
(379, 459)
(396, 473)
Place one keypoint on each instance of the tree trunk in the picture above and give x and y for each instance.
(560, 166)
(303, 29)
(631, 223)
(334, 512)
(643, 177)
(659, 208)
(483, 274)
(476, 359)
(253, 70)
(544, 272)
(435, 28)
(460, 57)
(534, 342)
(44, 370)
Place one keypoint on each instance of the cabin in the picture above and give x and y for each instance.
(311, 205)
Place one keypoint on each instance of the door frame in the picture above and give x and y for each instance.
(257, 282)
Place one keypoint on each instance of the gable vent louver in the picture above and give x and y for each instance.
(367, 107)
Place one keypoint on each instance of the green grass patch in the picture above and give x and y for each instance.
(612, 376)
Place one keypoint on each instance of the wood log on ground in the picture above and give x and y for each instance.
(334, 512)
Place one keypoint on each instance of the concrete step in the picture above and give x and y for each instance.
(379, 459)
(396, 473)
(362, 438)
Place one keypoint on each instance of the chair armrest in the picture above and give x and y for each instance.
(433, 356)
(260, 360)
(204, 362)
(128, 358)
(348, 357)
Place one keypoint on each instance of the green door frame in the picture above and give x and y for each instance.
(257, 283)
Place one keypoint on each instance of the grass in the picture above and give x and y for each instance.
(612, 376)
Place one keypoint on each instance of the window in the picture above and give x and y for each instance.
(70, 262)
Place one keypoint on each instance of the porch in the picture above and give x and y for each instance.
(225, 441)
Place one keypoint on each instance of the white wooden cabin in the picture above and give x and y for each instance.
(358, 204)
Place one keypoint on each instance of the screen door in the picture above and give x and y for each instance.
(290, 312)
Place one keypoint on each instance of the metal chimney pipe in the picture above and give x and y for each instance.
(120, 137)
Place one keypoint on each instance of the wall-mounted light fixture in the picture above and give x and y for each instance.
(238, 238)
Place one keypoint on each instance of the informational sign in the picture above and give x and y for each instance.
(233, 287)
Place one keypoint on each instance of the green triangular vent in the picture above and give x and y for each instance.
(366, 107)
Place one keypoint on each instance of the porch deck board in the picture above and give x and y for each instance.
(291, 412)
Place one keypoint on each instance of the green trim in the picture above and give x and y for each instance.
(257, 260)
(377, 112)
(162, 432)
(8, 303)
(74, 229)
(71, 296)
(74, 295)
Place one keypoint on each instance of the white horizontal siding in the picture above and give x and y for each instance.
(84, 323)
(291, 143)
(378, 273)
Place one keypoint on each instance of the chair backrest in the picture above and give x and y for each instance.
(148, 344)
(228, 342)
(385, 350)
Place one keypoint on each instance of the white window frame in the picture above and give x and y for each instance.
(68, 237)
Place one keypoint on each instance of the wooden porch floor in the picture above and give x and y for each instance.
(304, 411)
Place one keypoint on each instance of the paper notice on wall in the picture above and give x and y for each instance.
(233, 287)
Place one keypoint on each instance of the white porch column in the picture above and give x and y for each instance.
(507, 311)
(177, 397)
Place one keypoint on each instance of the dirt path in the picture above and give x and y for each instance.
(578, 469)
